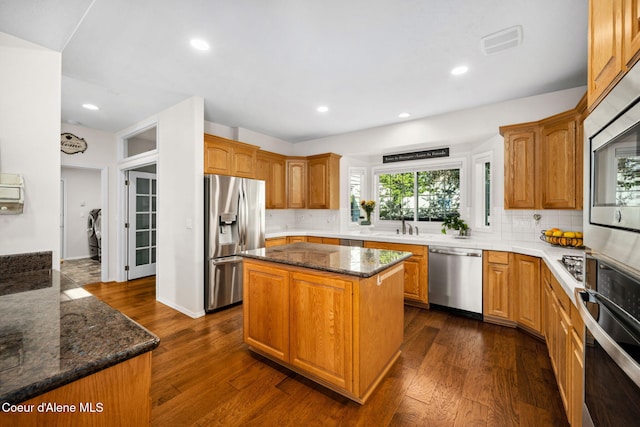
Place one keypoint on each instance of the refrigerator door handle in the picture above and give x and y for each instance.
(228, 260)
(243, 211)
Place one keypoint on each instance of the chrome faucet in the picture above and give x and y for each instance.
(404, 227)
(416, 227)
(410, 230)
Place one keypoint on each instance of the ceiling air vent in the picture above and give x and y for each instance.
(501, 40)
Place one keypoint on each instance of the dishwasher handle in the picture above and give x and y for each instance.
(445, 252)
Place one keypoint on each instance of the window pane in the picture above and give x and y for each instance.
(142, 239)
(487, 194)
(142, 256)
(396, 196)
(142, 186)
(142, 221)
(355, 195)
(438, 194)
(142, 203)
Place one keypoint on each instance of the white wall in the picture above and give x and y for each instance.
(30, 84)
(180, 163)
(82, 194)
(265, 142)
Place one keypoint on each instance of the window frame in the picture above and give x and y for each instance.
(362, 171)
(414, 167)
(478, 191)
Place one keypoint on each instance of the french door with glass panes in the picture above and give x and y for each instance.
(141, 234)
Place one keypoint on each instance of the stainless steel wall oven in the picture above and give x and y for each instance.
(610, 305)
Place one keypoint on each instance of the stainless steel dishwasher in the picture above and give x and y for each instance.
(455, 280)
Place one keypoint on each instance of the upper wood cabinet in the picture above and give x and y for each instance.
(614, 44)
(324, 181)
(520, 167)
(558, 163)
(543, 162)
(224, 156)
(605, 47)
(296, 183)
(272, 169)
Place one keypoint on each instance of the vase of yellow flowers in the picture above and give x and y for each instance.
(367, 206)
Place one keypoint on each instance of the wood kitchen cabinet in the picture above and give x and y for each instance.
(323, 178)
(614, 44)
(605, 62)
(296, 183)
(341, 331)
(275, 241)
(325, 240)
(223, 156)
(272, 169)
(416, 289)
(520, 167)
(496, 289)
(526, 280)
(266, 309)
(564, 331)
(543, 162)
(296, 239)
(321, 344)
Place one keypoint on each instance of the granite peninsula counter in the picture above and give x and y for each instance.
(62, 346)
(334, 314)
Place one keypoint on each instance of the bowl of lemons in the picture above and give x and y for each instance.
(555, 236)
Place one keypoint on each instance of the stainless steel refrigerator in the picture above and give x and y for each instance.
(234, 222)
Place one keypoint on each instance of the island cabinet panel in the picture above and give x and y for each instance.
(123, 391)
(497, 292)
(341, 331)
(266, 309)
(415, 269)
(321, 329)
(526, 277)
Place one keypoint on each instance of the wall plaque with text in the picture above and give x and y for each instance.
(417, 155)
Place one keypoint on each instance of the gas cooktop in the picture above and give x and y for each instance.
(574, 265)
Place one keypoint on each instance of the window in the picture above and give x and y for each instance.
(356, 191)
(482, 190)
(421, 195)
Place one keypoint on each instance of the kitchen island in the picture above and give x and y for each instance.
(332, 313)
(67, 358)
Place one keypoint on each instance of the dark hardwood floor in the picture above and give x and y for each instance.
(453, 371)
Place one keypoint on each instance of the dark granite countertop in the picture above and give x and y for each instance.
(353, 261)
(53, 332)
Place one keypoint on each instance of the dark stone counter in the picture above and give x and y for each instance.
(353, 261)
(53, 332)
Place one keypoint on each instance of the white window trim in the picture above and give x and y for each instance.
(364, 191)
(478, 161)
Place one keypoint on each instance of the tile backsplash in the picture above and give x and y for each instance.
(516, 225)
(521, 224)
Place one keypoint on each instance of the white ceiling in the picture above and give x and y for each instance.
(272, 62)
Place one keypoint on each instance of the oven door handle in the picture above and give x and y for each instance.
(620, 357)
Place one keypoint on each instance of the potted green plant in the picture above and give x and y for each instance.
(453, 222)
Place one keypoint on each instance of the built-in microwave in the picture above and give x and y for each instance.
(612, 174)
(615, 173)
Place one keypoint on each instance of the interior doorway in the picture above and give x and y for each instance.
(82, 236)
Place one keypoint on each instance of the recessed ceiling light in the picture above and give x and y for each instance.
(90, 107)
(199, 44)
(404, 115)
(459, 70)
(322, 109)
